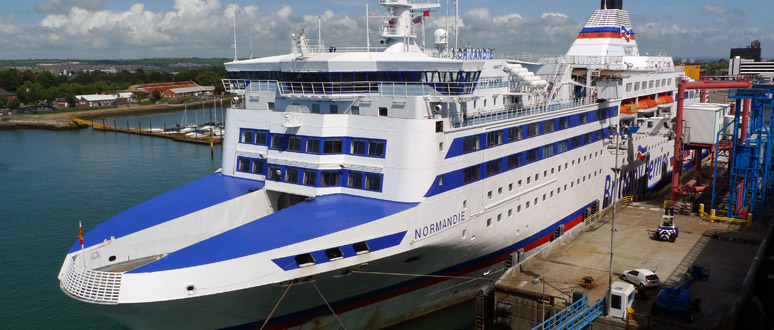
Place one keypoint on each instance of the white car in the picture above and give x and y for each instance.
(643, 278)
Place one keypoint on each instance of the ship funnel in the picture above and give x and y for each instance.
(611, 4)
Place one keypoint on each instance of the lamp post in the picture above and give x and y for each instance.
(615, 191)
(542, 300)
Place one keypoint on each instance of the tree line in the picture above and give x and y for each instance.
(34, 86)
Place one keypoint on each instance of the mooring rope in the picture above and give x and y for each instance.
(277, 305)
(329, 306)
(422, 275)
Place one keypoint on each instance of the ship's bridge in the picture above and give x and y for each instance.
(342, 75)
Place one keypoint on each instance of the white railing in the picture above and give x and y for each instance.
(412, 2)
(329, 49)
(518, 111)
(526, 57)
(286, 88)
(375, 88)
(263, 86)
(593, 60)
(90, 285)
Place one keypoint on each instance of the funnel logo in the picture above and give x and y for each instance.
(626, 33)
(642, 153)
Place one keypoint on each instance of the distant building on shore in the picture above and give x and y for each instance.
(175, 93)
(751, 52)
(747, 61)
(96, 100)
(4, 94)
(161, 87)
(173, 90)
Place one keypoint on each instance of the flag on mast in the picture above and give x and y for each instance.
(418, 19)
(80, 233)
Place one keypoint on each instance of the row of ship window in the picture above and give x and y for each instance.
(556, 170)
(311, 177)
(458, 178)
(495, 166)
(651, 84)
(314, 145)
(495, 138)
(550, 194)
(372, 77)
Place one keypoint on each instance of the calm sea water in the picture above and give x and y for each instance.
(49, 180)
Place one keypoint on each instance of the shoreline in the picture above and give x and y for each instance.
(64, 120)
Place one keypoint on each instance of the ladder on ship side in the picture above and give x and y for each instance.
(479, 321)
(575, 317)
(561, 67)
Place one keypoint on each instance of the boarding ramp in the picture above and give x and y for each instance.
(576, 316)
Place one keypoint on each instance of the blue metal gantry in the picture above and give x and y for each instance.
(743, 167)
(576, 316)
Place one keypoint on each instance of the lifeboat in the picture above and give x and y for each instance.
(665, 100)
(665, 103)
(646, 106)
(628, 111)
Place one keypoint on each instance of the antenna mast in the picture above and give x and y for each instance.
(456, 14)
(368, 31)
(233, 7)
(251, 42)
(447, 19)
(319, 33)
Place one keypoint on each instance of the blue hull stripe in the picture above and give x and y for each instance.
(197, 195)
(320, 256)
(482, 261)
(307, 220)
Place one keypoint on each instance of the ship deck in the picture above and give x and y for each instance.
(729, 250)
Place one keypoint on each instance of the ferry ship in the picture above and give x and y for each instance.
(364, 187)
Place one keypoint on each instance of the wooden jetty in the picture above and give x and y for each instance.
(139, 131)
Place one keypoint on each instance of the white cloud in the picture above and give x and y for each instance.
(714, 10)
(510, 32)
(61, 6)
(202, 28)
(553, 15)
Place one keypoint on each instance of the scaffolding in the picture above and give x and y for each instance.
(743, 166)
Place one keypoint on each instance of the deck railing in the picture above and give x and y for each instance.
(90, 285)
(518, 111)
(396, 89)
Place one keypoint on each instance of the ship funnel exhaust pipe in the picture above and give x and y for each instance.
(611, 4)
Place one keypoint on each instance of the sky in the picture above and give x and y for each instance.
(132, 29)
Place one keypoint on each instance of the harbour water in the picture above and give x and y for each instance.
(49, 180)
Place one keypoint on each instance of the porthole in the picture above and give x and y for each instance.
(334, 254)
(305, 260)
(112, 258)
(361, 248)
(190, 289)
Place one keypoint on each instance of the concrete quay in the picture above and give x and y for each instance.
(731, 252)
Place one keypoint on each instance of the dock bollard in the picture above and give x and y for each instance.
(748, 223)
(712, 215)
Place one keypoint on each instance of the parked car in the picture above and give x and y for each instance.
(643, 278)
